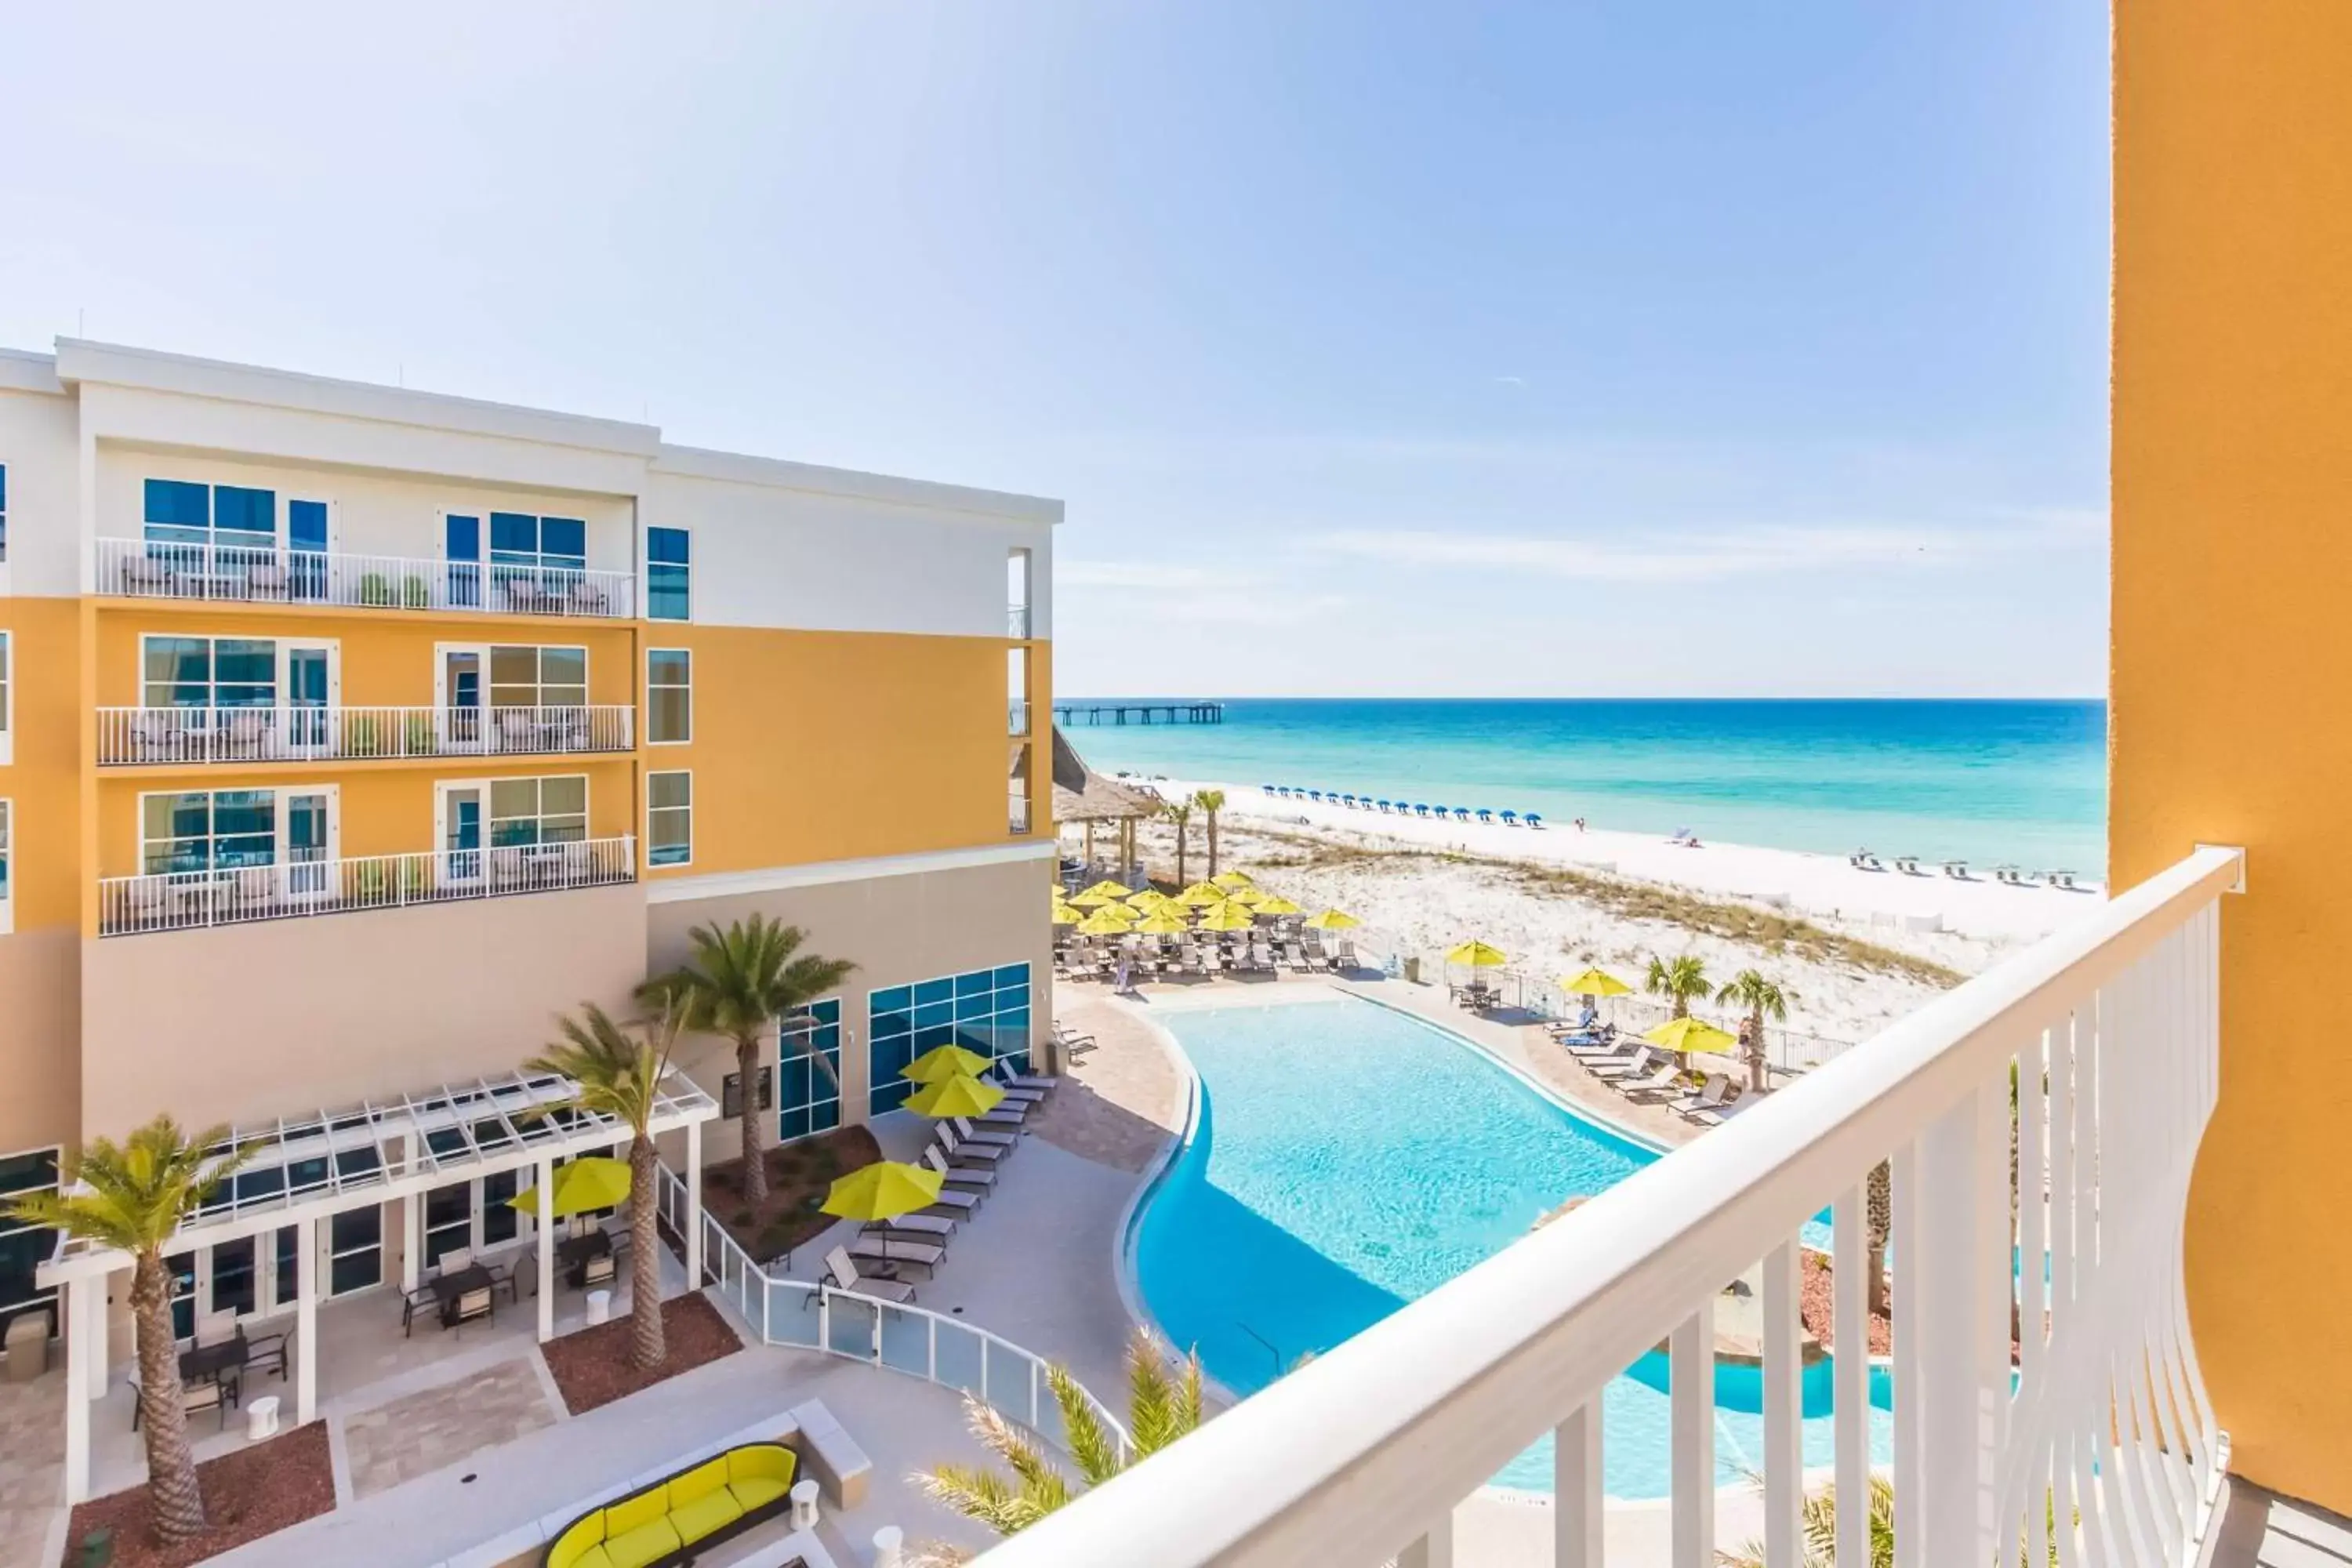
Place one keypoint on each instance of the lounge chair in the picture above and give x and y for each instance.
(1957, 870)
(922, 1255)
(1294, 956)
(1009, 1113)
(914, 1227)
(970, 1178)
(1013, 1092)
(971, 1134)
(1713, 1095)
(965, 1151)
(1663, 1082)
(881, 1282)
(1026, 1081)
(1638, 1065)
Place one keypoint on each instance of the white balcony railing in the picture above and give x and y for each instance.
(183, 900)
(1016, 718)
(129, 736)
(146, 568)
(2098, 1430)
(1016, 621)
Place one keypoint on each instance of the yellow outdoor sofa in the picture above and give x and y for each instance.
(668, 1521)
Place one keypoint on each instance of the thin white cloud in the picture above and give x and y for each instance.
(1182, 594)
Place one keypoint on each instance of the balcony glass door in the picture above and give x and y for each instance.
(457, 693)
(306, 831)
(461, 547)
(458, 826)
(309, 683)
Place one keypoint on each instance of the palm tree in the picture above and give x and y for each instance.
(1161, 1406)
(1878, 1224)
(740, 981)
(620, 1077)
(1210, 802)
(1179, 812)
(1756, 997)
(1678, 981)
(1818, 1525)
(136, 1194)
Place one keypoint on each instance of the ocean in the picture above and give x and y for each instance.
(1992, 782)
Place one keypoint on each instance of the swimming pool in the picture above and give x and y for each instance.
(1346, 1159)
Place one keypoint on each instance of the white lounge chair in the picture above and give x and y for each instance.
(1640, 1062)
(913, 1225)
(964, 1151)
(971, 1134)
(974, 1182)
(1665, 1080)
(922, 1254)
(845, 1275)
(1713, 1095)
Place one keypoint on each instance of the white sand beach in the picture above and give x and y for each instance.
(1421, 885)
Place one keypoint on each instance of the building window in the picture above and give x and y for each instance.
(25, 1247)
(1017, 804)
(4, 511)
(522, 677)
(207, 672)
(812, 1098)
(730, 1093)
(1016, 690)
(667, 563)
(181, 513)
(1016, 593)
(538, 811)
(669, 696)
(669, 819)
(548, 543)
(207, 830)
(985, 1011)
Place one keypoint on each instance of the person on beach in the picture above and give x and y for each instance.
(1579, 824)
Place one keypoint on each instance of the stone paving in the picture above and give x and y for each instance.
(1120, 1102)
(32, 1467)
(428, 1431)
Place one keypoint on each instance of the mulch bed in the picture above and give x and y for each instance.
(1815, 1296)
(253, 1492)
(798, 1176)
(591, 1366)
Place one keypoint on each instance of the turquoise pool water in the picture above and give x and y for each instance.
(1348, 1159)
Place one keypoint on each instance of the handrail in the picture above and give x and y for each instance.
(1363, 1454)
(733, 1270)
(269, 573)
(129, 737)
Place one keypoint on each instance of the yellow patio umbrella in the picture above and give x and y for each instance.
(883, 1191)
(1682, 1036)
(1250, 896)
(1201, 895)
(1104, 922)
(1108, 889)
(954, 1096)
(581, 1185)
(1477, 955)
(1595, 983)
(944, 1061)
(1090, 899)
(1333, 920)
(1277, 906)
(1151, 898)
(1162, 922)
(1067, 914)
(1232, 879)
(1227, 916)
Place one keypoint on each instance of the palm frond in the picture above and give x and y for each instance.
(986, 1498)
(1094, 1448)
(1010, 1444)
(136, 1192)
(612, 1074)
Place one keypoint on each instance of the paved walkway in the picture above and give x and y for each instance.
(424, 1432)
(32, 1468)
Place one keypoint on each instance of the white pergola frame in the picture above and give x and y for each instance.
(451, 1133)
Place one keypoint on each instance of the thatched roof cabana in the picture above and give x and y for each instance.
(1082, 795)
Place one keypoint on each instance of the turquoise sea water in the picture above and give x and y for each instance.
(1988, 780)
(1348, 1159)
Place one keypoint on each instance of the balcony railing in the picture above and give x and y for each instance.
(186, 900)
(1016, 620)
(1016, 718)
(2099, 1430)
(155, 569)
(131, 736)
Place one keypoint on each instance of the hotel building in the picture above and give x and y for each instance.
(349, 734)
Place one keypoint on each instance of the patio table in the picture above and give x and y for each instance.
(574, 1251)
(214, 1363)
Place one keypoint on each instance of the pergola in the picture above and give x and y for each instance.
(307, 1168)
(1083, 797)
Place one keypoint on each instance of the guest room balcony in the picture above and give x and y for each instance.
(294, 887)
(265, 574)
(167, 737)
(2103, 1039)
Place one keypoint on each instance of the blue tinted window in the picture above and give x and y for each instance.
(935, 991)
(563, 540)
(237, 510)
(176, 507)
(975, 984)
(668, 595)
(895, 1000)
(514, 537)
(4, 487)
(463, 538)
(1012, 974)
(305, 524)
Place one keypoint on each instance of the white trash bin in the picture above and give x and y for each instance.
(885, 1546)
(599, 1305)
(803, 1496)
(261, 1418)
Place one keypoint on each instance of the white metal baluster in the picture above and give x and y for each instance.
(1784, 1452)
(2124, 1172)
(2065, 1500)
(1850, 1351)
(2087, 1417)
(2032, 1288)
(1690, 1402)
(1942, 1215)
(1907, 1243)
(1576, 1489)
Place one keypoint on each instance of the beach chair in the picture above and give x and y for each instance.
(1008, 1112)
(971, 1134)
(2063, 879)
(1713, 1095)
(996, 1077)
(1317, 960)
(972, 1179)
(923, 1255)
(1294, 955)
(1957, 870)
(1007, 1079)
(962, 1152)
(1486, 816)
(1908, 865)
(912, 1226)
(1643, 1060)
(1510, 819)
(1663, 1082)
(1533, 819)
(883, 1282)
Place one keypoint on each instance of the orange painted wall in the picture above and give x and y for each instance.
(2233, 653)
(817, 746)
(45, 780)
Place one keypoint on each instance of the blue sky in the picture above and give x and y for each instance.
(1377, 349)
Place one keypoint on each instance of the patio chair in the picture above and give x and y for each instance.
(997, 1078)
(971, 1134)
(1027, 1081)
(421, 1300)
(1009, 1113)
(456, 1260)
(1294, 955)
(516, 731)
(214, 1393)
(598, 1270)
(962, 1201)
(1714, 1093)
(913, 1227)
(266, 1353)
(481, 1302)
(507, 1275)
(1640, 1063)
(218, 1329)
(970, 1178)
(884, 1283)
(922, 1255)
(963, 1152)
(1663, 1082)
